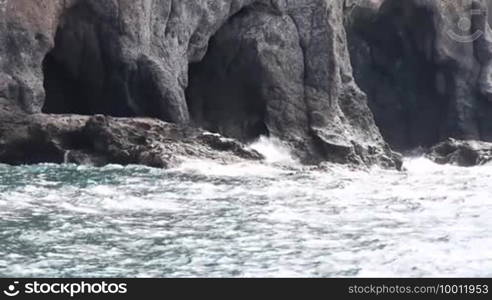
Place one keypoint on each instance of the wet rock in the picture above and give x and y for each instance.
(101, 140)
(461, 153)
(155, 143)
(426, 66)
(285, 71)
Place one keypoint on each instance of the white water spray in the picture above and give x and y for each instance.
(66, 157)
(274, 150)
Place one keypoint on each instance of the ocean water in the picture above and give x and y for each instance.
(245, 220)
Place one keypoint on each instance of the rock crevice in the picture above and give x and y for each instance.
(245, 68)
(426, 68)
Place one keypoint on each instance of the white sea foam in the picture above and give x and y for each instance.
(274, 151)
(213, 168)
(276, 154)
(250, 219)
(422, 165)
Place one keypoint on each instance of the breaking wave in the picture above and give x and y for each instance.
(250, 219)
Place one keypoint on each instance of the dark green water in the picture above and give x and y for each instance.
(204, 219)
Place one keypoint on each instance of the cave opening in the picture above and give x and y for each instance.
(226, 92)
(394, 64)
(64, 93)
(79, 75)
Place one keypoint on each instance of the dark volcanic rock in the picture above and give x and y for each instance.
(426, 66)
(461, 153)
(159, 144)
(248, 67)
(244, 68)
(101, 140)
(251, 81)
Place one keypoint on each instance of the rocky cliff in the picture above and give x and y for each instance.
(244, 68)
(426, 66)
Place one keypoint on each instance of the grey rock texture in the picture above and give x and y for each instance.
(461, 153)
(99, 140)
(238, 67)
(426, 66)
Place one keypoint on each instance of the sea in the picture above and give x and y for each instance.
(275, 218)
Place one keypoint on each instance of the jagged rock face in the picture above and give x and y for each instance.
(26, 31)
(426, 66)
(250, 82)
(461, 153)
(285, 70)
(99, 140)
(256, 67)
(126, 56)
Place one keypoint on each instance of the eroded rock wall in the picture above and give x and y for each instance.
(285, 69)
(426, 68)
(279, 67)
(132, 54)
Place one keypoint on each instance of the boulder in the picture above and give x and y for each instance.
(99, 140)
(461, 153)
